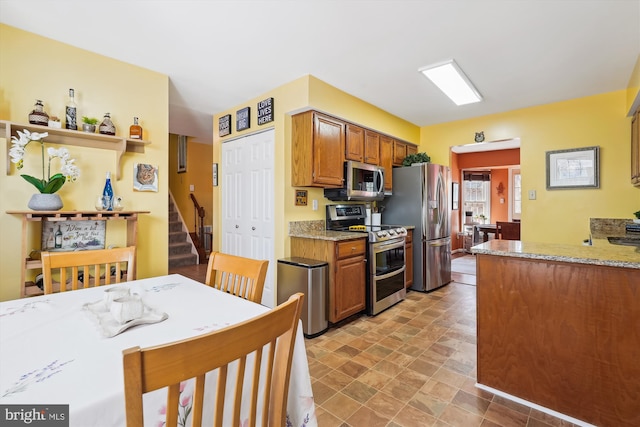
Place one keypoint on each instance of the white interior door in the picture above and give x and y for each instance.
(247, 202)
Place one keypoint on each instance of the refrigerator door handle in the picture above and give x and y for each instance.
(439, 242)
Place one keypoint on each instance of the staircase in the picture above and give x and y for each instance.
(181, 249)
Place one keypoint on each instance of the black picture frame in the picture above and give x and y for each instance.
(243, 119)
(224, 125)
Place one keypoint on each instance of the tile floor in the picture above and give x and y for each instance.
(413, 365)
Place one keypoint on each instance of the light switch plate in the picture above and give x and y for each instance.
(532, 194)
(192, 187)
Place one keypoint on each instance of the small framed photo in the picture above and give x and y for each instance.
(182, 153)
(455, 194)
(145, 177)
(573, 168)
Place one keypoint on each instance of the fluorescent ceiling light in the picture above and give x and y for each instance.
(451, 80)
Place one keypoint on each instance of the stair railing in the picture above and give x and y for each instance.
(198, 217)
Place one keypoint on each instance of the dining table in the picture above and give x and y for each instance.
(63, 349)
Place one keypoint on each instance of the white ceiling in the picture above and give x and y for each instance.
(218, 54)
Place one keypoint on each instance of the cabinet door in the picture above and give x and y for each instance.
(349, 287)
(328, 150)
(412, 149)
(386, 161)
(371, 147)
(635, 149)
(354, 144)
(399, 152)
(408, 256)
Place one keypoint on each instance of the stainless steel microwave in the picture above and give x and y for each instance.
(362, 181)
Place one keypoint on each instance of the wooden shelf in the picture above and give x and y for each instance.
(75, 138)
(28, 216)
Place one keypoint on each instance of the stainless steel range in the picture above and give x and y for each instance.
(385, 255)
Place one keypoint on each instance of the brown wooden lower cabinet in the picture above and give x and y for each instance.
(347, 272)
(408, 257)
(565, 336)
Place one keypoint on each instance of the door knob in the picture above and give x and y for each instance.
(237, 226)
(253, 228)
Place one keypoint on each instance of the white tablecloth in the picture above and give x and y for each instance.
(51, 351)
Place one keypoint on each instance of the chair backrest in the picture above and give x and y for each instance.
(84, 269)
(270, 337)
(508, 230)
(240, 276)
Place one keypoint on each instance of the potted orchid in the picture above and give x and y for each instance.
(48, 185)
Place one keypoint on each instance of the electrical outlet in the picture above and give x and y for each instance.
(532, 194)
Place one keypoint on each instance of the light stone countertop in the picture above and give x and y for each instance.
(327, 235)
(600, 253)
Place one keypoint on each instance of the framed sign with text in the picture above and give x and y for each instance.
(265, 111)
(224, 125)
(243, 119)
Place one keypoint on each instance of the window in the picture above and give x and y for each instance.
(476, 193)
(515, 188)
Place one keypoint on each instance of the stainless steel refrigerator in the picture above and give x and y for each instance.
(420, 198)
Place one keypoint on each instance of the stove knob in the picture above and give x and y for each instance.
(392, 232)
(401, 230)
(381, 233)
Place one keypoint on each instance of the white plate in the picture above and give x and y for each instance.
(110, 327)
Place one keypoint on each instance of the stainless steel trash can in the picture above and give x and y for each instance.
(308, 276)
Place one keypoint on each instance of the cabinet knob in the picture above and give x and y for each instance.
(253, 228)
(237, 226)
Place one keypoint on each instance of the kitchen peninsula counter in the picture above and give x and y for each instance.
(558, 327)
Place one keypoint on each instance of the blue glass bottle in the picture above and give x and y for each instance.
(107, 194)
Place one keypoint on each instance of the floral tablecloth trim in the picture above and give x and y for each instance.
(36, 376)
(23, 308)
(162, 288)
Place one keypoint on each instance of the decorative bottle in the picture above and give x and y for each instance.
(70, 112)
(107, 127)
(38, 116)
(58, 239)
(135, 130)
(50, 241)
(107, 193)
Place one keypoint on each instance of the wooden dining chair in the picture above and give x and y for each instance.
(87, 268)
(508, 230)
(270, 337)
(240, 276)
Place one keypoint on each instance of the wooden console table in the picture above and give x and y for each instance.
(29, 288)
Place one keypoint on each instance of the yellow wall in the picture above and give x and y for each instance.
(302, 94)
(557, 216)
(633, 89)
(34, 67)
(198, 173)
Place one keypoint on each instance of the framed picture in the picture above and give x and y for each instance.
(455, 195)
(67, 236)
(573, 168)
(182, 153)
(145, 177)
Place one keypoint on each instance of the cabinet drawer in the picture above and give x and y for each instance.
(350, 248)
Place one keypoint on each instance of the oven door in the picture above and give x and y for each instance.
(387, 275)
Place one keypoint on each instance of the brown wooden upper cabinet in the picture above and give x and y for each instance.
(402, 150)
(386, 161)
(354, 144)
(399, 152)
(317, 152)
(635, 149)
(371, 147)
